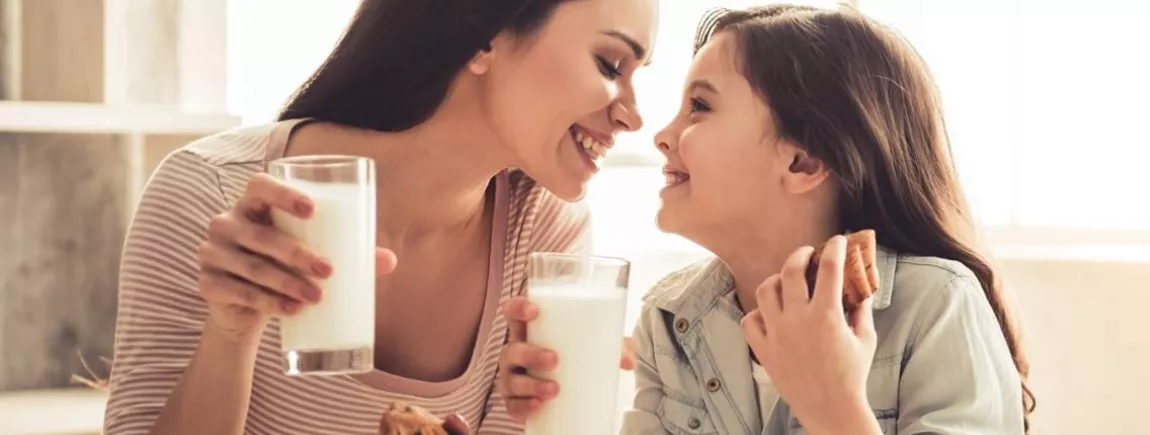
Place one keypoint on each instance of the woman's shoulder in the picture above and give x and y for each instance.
(245, 144)
(214, 167)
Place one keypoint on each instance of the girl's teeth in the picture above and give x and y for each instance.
(675, 178)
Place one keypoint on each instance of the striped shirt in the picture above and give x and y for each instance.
(161, 313)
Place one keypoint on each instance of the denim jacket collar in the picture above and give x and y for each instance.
(695, 295)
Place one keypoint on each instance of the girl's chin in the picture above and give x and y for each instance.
(666, 221)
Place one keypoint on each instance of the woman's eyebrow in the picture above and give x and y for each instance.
(636, 48)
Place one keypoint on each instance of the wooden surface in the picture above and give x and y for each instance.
(62, 50)
(94, 97)
(63, 205)
(144, 54)
(9, 49)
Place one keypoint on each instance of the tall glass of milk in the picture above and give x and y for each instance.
(582, 304)
(336, 335)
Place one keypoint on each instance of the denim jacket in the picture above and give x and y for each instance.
(941, 367)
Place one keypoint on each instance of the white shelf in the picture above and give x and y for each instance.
(1068, 244)
(73, 411)
(47, 117)
(1019, 235)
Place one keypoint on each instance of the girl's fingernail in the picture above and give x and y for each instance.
(550, 389)
(303, 206)
(290, 307)
(548, 358)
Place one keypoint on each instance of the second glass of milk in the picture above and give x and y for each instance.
(582, 303)
(336, 335)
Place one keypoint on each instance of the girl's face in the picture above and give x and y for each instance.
(727, 165)
(558, 98)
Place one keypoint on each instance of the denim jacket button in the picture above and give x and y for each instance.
(694, 423)
(714, 385)
(681, 325)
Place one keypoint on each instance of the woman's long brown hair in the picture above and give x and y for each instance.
(857, 96)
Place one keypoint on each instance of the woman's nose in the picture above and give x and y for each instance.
(626, 116)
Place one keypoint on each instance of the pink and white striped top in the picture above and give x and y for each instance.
(161, 314)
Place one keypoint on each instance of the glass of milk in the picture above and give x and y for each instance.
(336, 335)
(582, 304)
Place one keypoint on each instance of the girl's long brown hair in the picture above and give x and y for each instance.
(857, 96)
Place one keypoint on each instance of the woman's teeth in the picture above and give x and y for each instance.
(594, 149)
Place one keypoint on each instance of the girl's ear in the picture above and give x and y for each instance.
(804, 171)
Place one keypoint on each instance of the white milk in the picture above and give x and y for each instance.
(342, 230)
(584, 326)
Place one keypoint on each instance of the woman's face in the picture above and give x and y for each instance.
(725, 162)
(557, 98)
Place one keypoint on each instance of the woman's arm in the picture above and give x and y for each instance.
(170, 375)
(959, 377)
(214, 391)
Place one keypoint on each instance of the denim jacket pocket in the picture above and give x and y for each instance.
(681, 418)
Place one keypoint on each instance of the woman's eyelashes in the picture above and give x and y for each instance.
(607, 68)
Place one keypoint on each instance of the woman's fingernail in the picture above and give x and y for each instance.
(312, 293)
(321, 267)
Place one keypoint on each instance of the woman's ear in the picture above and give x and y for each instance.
(804, 171)
(481, 63)
(500, 45)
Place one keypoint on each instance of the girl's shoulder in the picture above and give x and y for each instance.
(915, 280)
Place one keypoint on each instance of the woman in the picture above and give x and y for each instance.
(799, 124)
(447, 97)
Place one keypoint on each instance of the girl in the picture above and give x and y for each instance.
(447, 96)
(799, 124)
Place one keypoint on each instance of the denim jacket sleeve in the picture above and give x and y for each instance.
(643, 418)
(956, 333)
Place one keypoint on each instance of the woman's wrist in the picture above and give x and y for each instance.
(226, 344)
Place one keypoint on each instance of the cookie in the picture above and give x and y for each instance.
(404, 419)
(860, 274)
